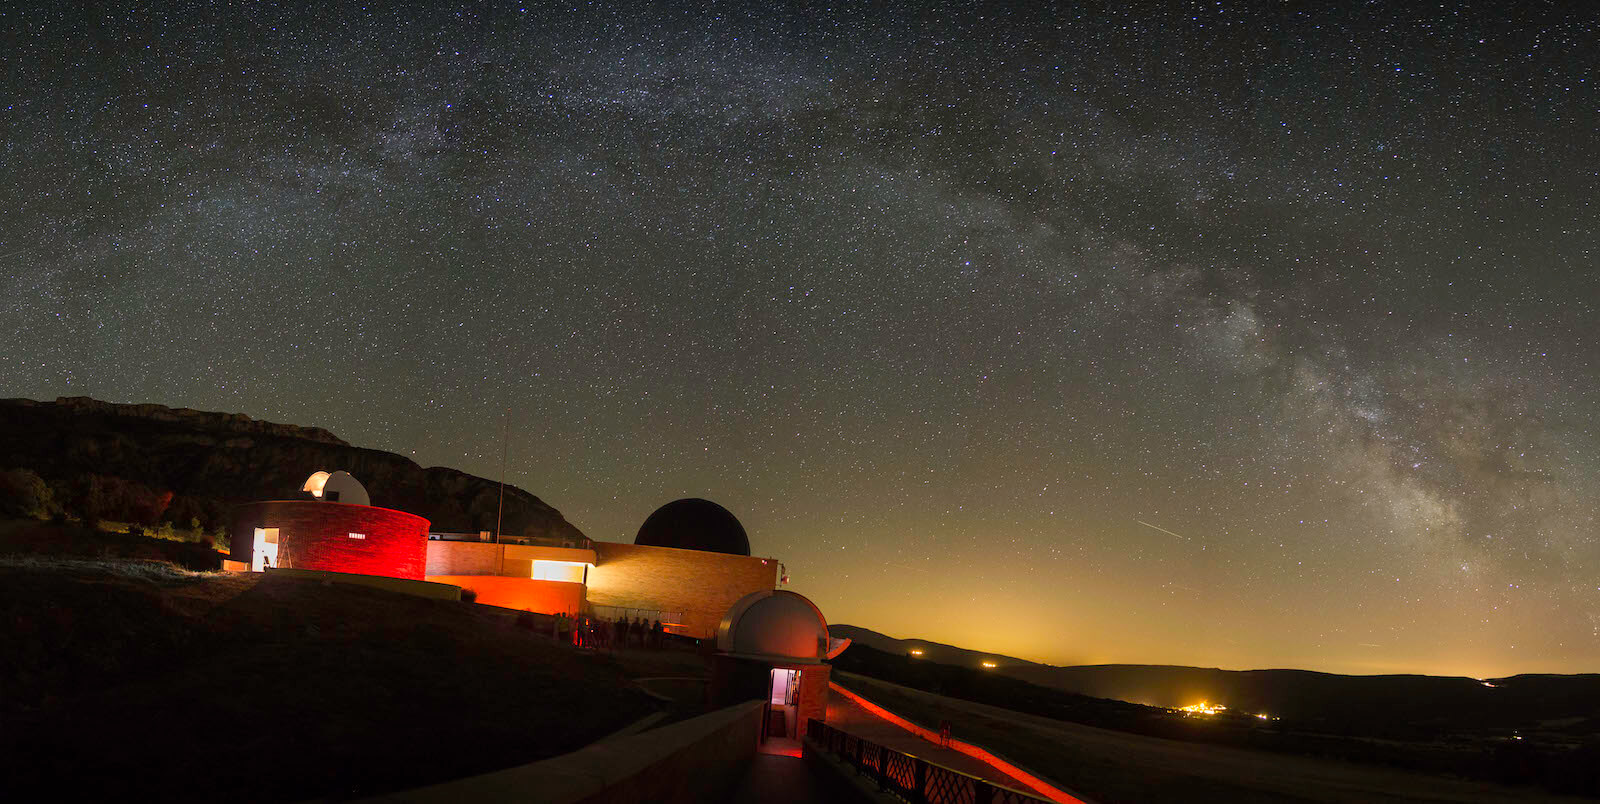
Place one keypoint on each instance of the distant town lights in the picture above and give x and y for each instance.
(990, 665)
(916, 651)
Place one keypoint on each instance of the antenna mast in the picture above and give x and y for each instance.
(505, 436)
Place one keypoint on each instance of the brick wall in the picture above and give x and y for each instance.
(702, 585)
(464, 558)
(316, 535)
(813, 693)
(488, 558)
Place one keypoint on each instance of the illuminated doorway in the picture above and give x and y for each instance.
(783, 701)
(265, 551)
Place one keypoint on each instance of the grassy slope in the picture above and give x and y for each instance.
(174, 686)
(1111, 767)
(71, 539)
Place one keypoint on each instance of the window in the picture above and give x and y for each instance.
(567, 571)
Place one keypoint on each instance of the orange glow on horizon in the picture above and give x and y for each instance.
(1202, 708)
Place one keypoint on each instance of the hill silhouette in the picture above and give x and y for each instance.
(1412, 705)
(149, 463)
(931, 651)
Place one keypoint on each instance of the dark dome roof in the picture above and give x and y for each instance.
(694, 524)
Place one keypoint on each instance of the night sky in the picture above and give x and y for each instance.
(1199, 335)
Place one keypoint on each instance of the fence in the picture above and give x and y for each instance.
(668, 619)
(578, 542)
(911, 778)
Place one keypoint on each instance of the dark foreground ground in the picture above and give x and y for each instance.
(139, 681)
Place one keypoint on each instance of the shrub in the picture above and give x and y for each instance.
(469, 595)
(23, 493)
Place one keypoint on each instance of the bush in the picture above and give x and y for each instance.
(469, 595)
(23, 493)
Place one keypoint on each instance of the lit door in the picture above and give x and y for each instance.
(265, 551)
(781, 697)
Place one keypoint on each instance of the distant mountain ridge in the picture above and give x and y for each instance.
(931, 651)
(188, 417)
(150, 463)
(1301, 694)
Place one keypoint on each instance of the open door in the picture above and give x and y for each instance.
(264, 553)
(781, 703)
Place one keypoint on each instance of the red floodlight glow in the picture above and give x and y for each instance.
(1039, 785)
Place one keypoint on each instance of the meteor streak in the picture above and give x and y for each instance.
(1163, 530)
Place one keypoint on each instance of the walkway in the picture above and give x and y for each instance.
(848, 716)
(777, 779)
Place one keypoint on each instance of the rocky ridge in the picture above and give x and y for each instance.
(151, 463)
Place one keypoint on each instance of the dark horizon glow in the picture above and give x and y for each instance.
(1198, 335)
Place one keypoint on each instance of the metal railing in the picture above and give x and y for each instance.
(909, 777)
(670, 619)
(577, 542)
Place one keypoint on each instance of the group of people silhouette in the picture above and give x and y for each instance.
(597, 633)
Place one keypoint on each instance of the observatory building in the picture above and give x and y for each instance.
(332, 529)
(772, 645)
(688, 565)
(689, 568)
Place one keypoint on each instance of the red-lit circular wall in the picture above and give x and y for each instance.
(318, 536)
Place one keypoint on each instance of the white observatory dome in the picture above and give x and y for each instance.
(337, 487)
(774, 624)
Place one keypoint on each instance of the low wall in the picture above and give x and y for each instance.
(523, 594)
(405, 586)
(691, 761)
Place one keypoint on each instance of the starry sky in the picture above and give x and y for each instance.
(1194, 334)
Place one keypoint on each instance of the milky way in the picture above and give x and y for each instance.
(1195, 335)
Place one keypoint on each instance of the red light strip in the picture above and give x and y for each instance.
(1039, 786)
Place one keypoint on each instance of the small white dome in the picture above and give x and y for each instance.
(774, 623)
(337, 487)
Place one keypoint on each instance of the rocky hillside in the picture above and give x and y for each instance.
(150, 464)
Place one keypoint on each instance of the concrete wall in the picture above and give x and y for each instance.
(316, 535)
(702, 585)
(523, 594)
(695, 760)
